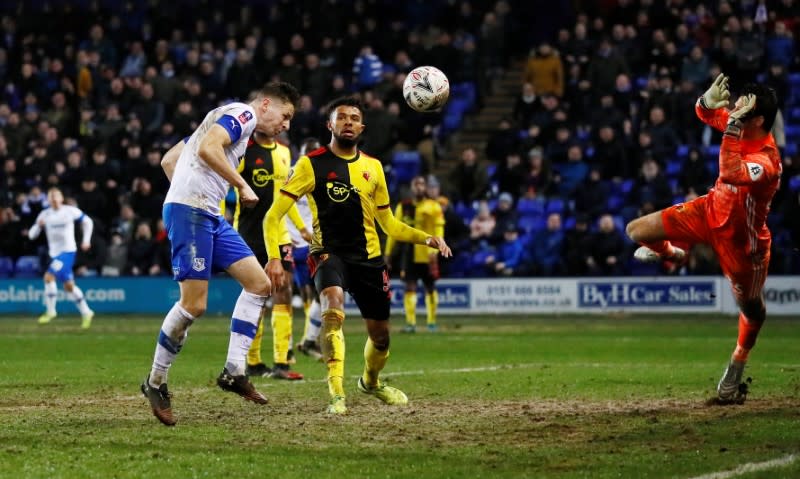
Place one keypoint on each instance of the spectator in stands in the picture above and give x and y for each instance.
(544, 70)
(651, 191)
(610, 155)
(538, 179)
(526, 106)
(94, 203)
(502, 142)
(694, 175)
(780, 46)
(381, 134)
(510, 175)
(481, 226)
(577, 49)
(145, 201)
(546, 248)
(143, 252)
(367, 69)
(116, 256)
(607, 114)
(572, 173)
(665, 140)
(505, 216)
(604, 67)
(510, 253)
(695, 67)
(591, 197)
(576, 243)
(749, 50)
(606, 247)
(468, 179)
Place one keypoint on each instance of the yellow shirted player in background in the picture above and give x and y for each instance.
(347, 193)
(265, 167)
(418, 261)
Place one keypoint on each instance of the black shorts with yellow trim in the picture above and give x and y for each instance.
(419, 271)
(368, 284)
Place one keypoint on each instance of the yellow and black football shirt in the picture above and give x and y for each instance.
(425, 215)
(265, 168)
(343, 195)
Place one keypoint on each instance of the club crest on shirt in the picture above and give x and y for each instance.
(366, 175)
(245, 116)
(198, 264)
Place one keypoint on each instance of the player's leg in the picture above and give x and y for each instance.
(410, 302)
(685, 223)
(649, 232)
(232, 254)
(431, 296)
(254, 365)
(370, 290)
(747, 278)
(50, 296)
(282, 321)
(75, 294)
(310, 344)
(329, 277)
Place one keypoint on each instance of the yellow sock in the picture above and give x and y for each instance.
(410, 304)
(281, 332)
(431, 302)
(374, 361)
(254, 353)
(332, 346)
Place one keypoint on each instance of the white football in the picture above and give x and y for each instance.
(426, 89)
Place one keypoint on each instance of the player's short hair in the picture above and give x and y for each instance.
(280, 90)
(766, 103)
(350, 100)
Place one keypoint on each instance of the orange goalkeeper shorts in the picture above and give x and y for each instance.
(688, 223)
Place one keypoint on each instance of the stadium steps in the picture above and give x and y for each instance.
(497, 105)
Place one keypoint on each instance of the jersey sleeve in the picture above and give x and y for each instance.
(714, 118)
(736, 168)
(438, 215)
(390, 241)
(238, 122)
(300, 179)
(382, 191)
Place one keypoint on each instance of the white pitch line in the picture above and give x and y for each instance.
(751, 467)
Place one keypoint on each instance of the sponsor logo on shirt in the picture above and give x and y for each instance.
(245, 116)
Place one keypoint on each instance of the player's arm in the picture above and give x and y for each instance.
(736, 168)
(300, 182)
(212, 152)
(36, 229)
(711, 106)
(170, 158)
(87, 227)
(396, 228)
(390, 241)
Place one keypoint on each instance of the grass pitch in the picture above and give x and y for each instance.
(561, 397)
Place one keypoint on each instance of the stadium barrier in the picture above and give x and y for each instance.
(456, 296)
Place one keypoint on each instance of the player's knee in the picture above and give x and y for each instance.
(260, 286)
(754, 310)
(380, 339)
(195, 307)
(632, 230)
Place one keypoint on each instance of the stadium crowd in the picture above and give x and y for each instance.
(94, 92)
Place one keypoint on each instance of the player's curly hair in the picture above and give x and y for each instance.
(766, 103)
(350, 100)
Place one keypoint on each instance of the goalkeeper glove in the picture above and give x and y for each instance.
(717, 95)
(737, 117)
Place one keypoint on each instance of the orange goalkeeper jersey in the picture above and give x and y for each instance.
(749, 176)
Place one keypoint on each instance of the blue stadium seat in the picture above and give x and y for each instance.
(532, 224)
(615, 203)
(406, 165)
(568, 223)
(530, 206)
(792, 132)
(6, 267)
(466, 212)
(673, 168)
(27, 267)
(791, 148)
(794, 80)
(555, 205)
(673, 184)
(491, 169)
(794, 183)
(712, 152)
(626, 186)
(682, 152)
(713, 166)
